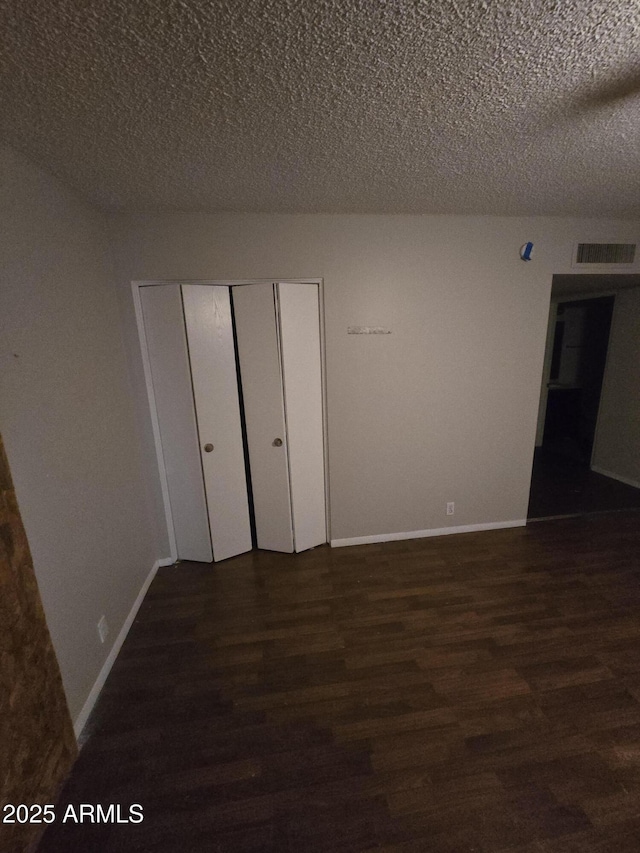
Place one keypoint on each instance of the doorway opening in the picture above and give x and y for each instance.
(578, 360)
(580, 322)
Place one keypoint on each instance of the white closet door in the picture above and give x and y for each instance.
(169, 361)
(207, 314)
(261, 379)
(299, 313)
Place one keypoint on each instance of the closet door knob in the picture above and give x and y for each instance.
(208, 448)
(277, 442)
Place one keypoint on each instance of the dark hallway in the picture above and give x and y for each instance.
(575, 381)
(562, 480)
(563, 486)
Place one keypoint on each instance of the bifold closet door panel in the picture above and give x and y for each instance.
(261, 379)
(207, 314)
(169, 361)
(299, 313)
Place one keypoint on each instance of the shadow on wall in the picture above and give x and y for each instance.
(37, 744)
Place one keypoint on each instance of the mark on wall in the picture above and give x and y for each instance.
(368, 330)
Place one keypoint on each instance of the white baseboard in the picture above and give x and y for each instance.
(423, 534)
(87, 708)
(627, 480)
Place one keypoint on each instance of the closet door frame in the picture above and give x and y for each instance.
(155, 424)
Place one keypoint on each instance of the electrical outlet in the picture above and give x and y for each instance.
(103, 629)
(451, 507)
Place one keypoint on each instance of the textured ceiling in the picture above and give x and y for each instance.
(521, 107)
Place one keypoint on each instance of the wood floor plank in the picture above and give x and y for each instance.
(471, 693)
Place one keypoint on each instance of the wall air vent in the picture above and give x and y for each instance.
(606, 254)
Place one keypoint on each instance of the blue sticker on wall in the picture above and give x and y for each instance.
(525, 251)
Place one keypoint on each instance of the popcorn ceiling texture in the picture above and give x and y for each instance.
(522, 107)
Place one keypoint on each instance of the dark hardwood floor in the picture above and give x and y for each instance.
(471, 693)
(562, 485)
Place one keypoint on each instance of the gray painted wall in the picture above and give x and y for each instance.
(617, 446)
(444, 408)
(66, 416)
